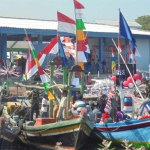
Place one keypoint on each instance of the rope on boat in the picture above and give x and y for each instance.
(117, 127)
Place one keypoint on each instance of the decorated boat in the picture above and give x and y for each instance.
(7, 132)
(7, 136)
(134, 131)
(71, 133)
(46, 132)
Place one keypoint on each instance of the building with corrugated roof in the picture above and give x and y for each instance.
(100, 38)
(132, 24)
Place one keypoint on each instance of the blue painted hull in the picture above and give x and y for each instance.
(135, 131)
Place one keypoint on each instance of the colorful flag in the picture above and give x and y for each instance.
(131, 58)
(113, 60)
(29, 58)
(86, 41)
(81, 45)
(62, 53)
(31, 67)
(68, 46)
(43, 76)
(66, 24)
(24, 77)
(119, 44)
(126, 32)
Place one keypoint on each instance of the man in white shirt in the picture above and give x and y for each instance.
(62, 106)
(44, 107)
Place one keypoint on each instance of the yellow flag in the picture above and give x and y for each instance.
(50, 96)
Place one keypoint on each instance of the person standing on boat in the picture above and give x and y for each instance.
(56, 106)
(34, 104)
(62, 106)
(44, 107)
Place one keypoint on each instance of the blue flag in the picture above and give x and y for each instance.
(126, 32)
(62, 54)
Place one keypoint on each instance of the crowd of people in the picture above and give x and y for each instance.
(97, 66)
(78, 106)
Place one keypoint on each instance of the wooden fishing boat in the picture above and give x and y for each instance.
(71, 133)
(134, 131)
(7, 135)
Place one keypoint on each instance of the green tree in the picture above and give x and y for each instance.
(144, 21)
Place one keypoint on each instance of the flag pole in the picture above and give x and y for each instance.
(128, 70)
(76, 36)
(119, 48)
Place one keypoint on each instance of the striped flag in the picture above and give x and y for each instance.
(65, 24)
(43, 76)
(86, 41)
(113, 60)
(31, 67)
(62, 53)
(131, 58)
(119, 44)
(81, 46)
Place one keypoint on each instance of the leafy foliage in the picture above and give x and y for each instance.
(127, 146)
(105, 145)
(144, 21)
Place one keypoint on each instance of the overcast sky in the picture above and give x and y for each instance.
(94, 9)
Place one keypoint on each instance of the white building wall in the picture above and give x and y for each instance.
(143, 46)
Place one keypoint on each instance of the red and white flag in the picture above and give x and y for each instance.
(66, 24)
(31, 67)
(119, 44)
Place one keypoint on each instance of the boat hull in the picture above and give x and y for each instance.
(135, 132)
(6, 139)
(71, 134)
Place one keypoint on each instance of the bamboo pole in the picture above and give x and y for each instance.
(51, 83)
(128, 69)
(64, 75)
(59, 86)
(69, 92)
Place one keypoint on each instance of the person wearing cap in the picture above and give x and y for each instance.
(44, 106)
